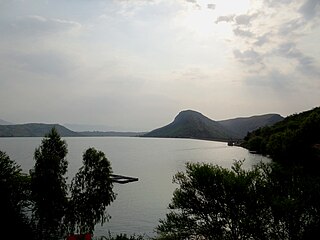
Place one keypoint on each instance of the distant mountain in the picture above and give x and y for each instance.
(87, 127)
(110, 134)
(3, 122)
(34, 130)
(241, 126)
(191, 124)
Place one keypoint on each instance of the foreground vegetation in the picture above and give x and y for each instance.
(56, 210)
(279, 200)
(267, 202)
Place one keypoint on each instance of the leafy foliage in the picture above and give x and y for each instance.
(49, 188)
(55, 212)
(121, 237)
(295, 139)
(91, 192)
(14, 189)
(266, 202)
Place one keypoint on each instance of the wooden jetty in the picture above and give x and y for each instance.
(122, 179)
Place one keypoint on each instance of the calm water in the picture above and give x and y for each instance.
(138, 205)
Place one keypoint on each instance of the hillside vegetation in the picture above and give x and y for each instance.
(243, 125)
(296, 138)
(275, 200)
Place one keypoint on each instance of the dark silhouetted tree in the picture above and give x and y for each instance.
(267, 202)
(91, 193)
(49, 188)
(14, 189)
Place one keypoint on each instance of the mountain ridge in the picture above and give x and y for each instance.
(192, 124)
(187, 124)
(4, 122)
(41, 129)
(34, 130)
(243, 125)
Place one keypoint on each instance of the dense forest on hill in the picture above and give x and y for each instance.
(295, 139)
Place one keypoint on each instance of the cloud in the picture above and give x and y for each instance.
(275, 3)
(261, 40)
(249, 57)
(196, 4)
(292, 26)
(245, 19)
(228, 18)
(264, 34)
(242, 33)
(305, 64)
(242, 19)
(274, 79)
(35, 25)
(211, 6)
(310, 9)
(42, 63)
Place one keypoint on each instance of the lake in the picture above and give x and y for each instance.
(139, 205)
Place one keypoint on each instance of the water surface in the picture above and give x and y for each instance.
(138, 205)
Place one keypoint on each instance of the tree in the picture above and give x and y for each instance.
(91, 193)
(49, 188)
(267, 202)
(58, 209)
(14, 189)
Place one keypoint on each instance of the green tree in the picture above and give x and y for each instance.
(267, 202)
(49, 188)
(91, 193)
(255, 143)
(214, 203)
(14, 189)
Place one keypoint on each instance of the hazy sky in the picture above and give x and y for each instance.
(134, 64)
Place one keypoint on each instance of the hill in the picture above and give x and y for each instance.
(295, 139)
(191, 124)
(241, 126)
(34, 130)
(3, 122)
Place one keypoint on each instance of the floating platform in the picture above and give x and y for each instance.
(123, 179)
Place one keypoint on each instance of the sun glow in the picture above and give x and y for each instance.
(228, 7)
(199, 18)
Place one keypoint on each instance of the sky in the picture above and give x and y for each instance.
(133, 65)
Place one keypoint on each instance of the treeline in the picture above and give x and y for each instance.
(294, 140)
